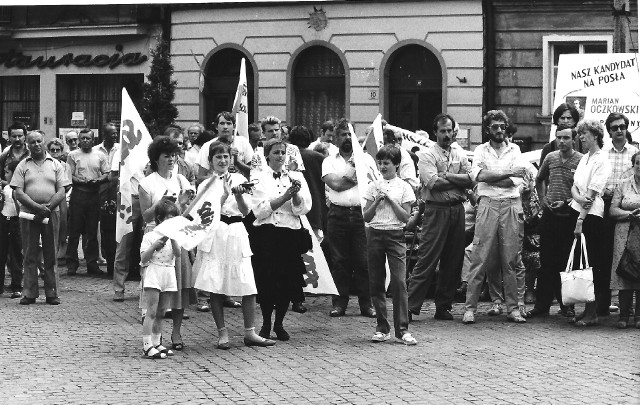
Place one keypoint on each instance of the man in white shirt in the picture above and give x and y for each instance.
(272, 129)
(241, 150)
(498, 169)
(345, 225)
(327, 132)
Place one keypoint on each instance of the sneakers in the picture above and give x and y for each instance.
(380, 337)
(407, 339)
(515, 316)
(523, 310)
(496, 309)
(16, 294)
(469, 318)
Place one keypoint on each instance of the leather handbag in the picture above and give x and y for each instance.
(577, 285)
(629, 266)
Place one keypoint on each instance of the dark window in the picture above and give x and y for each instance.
(414, 78)
(319, 88)
(98, 96)
(20, 100)
(221, 83)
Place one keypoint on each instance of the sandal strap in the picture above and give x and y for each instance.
(164, 350)
(156, 355)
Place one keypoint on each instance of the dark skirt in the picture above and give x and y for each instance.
(278, 267)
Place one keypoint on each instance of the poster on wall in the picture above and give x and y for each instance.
(600, 84)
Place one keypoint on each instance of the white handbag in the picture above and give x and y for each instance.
(577, 285)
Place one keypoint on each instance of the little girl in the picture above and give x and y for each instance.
(158, 258)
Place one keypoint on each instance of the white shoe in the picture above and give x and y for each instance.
(496, 309)
(407, 339)
(380, 337)
(469, 317)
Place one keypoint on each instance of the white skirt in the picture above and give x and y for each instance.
(223, 262)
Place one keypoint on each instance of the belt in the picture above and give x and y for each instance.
(349, 208)
(230, 219)
(443, 203)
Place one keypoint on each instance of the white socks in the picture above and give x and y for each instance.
(147, 343)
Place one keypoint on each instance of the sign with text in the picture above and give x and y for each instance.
(600, 84)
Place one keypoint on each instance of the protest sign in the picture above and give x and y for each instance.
(600, 84)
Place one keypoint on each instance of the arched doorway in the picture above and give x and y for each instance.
(221, 82)
(318, 87)
(414, 79)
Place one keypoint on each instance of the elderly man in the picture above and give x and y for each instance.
(498, 169)
(88, 169)
(444, 171)
(241, 150)
(71, 139)
(193, 132)
(620, 153)
(345, 225)
(39, 183)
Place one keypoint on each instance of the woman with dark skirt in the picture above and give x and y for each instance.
(278, 238)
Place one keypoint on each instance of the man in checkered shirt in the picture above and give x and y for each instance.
(619, 152)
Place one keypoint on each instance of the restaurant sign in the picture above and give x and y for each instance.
(13, 59)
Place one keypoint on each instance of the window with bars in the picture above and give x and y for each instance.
(99, 97)
(319, 88)
(20, 100)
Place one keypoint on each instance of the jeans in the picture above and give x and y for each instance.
(497, 241)
(11, 252)
(348, 242)
(441, 241)
(31, 232)
(389, 245)
(84, 213)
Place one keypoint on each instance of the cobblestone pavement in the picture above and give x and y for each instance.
(88, 351)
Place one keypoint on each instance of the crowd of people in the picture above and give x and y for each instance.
(496, 226)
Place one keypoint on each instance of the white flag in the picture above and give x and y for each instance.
(134, 141)
(318, 278)
(240, 108)
(375, 141)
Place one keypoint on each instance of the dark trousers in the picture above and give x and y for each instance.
(594, 232)
(348, 244)
(442, 241)
(84, 214)
(556, 237)
(32, 232)
(11, 252)
(388, 245)
(108, 239)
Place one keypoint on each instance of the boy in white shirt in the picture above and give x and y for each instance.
(10, 242)
(387, 210)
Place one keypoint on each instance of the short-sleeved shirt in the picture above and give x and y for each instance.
(7, 157)
(245, 151)
(385, 219)
(508, 158)
(89, 165)
(115, 150)
(336, 164)
(620, 161)
(559, 174)
(39, 181)
(162, 257)
(436, 160)
(592, 174)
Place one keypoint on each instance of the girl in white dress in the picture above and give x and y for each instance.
(223, 263)
(158, 257)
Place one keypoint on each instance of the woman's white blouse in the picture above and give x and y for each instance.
(592, 174)
(269, 188)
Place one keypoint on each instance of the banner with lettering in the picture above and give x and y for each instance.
(134, 141)
(318, 278)
(600, 84)
(204, 213)
(240, 108)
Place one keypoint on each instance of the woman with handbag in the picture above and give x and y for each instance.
(588, 207)
(625, 267)
(277, 237)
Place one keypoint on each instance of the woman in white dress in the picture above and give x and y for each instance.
(165, 184)
(223, 263)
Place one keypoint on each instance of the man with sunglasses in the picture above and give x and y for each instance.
(71, 138)
(499, 170)
(620, 153)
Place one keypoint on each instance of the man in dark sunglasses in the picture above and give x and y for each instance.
(620, 153)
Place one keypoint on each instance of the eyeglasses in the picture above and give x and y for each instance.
(615, 128)
(72, 140)
(54, 150)
(495, 127)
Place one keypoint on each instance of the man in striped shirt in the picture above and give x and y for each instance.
(553, 184)
(499, 169)
(620, 153)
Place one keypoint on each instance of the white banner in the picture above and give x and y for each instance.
(134, 141)
(240, 108)
(318, 278)
(600, 84)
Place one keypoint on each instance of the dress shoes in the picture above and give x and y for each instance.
(443, 314)
(336, 312)
(298, 307)
(261, 343)
(27, 301)
(53, 300)
(281, 334)
(368, 313)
